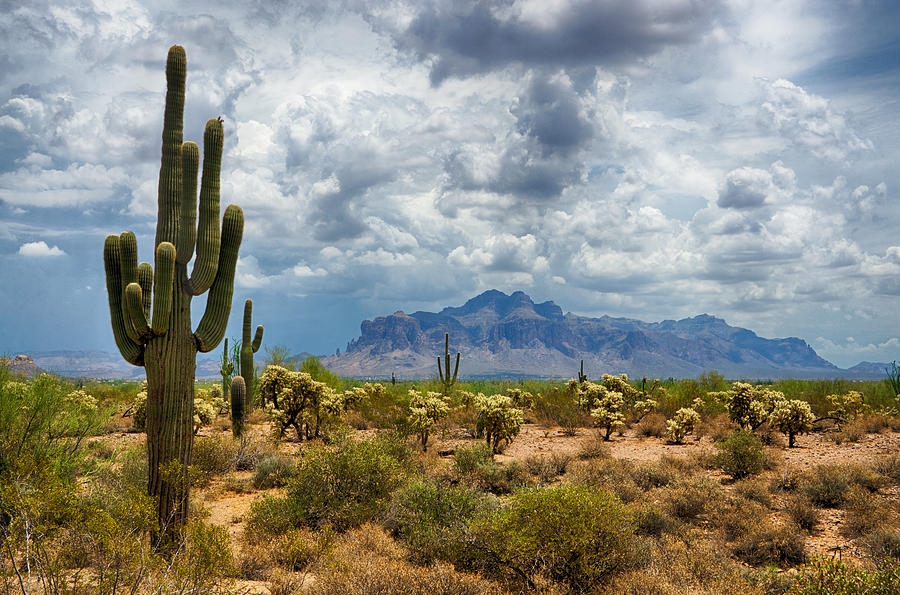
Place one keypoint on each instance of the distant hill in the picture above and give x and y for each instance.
(103, 364)
(21, 364)
(510, 335)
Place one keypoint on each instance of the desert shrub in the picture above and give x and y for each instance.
(297, 549)
(614, 475)
(335, 486)
(548, 468)
(828, 485)
(368, 561)
(792, 417)
(786, 480)
(272, 471)
(431, 519)
(889, 467)
(652, 520)
(748, 405)
(559, 406)
(717, 427)
(566, 533)
(833, 577)
(883, 543)
(497, 419)
(737, 517)
(656, 474)
(767, 544)
(593, 447)
(741, 454)
(652, 425)
(753, 490)
(424, 412)
(475, 466)
(801, 510)
(212, 455)
(863, 512)
(681, 424)
(688, 498)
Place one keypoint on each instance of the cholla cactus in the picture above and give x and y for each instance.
(204, 413)
(497, 419)
(749, 406)
(792, 417)
(606, 406)
(424, 412)
(337, 403)
(520, 398)
(293, 399)
(847, 406)
(681, 424)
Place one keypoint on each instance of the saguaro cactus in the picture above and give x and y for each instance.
(226, 370)
(238, 396)
(248, 348)
(158, 335)
(581, 376)
(446, 381)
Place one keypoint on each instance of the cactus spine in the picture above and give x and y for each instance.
(160, 337)
(238, 395)
(226, 370)
(446, 381)
(248, 348)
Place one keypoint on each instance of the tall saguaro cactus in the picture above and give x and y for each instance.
(248, 348)
(446, 381)
(156, 333)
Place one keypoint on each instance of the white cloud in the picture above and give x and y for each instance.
(39, 249)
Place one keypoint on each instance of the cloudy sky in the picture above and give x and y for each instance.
(645, 158)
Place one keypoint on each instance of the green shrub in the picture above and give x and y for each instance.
(475, 466)
(688, 498)
(828, 485)
(653, 521)
(566, 533)
(212, 455)
(273, 471)
(741, 454)
(548, 468)
(431, 519)
(614, 475)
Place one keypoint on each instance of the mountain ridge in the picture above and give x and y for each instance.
(502, 334)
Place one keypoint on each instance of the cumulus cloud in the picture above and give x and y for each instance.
(810, 122)
(39, 249)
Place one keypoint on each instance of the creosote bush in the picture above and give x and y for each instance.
(741, 454)
(566, 533)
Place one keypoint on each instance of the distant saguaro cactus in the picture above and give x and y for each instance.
(157, 333)
(238, 396)
(581, 377)
(226, 370)
(248, 348)
(446, 381)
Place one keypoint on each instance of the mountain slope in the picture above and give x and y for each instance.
(501, 334)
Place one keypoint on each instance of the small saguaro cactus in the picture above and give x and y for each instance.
(248, 348)
(238, 390)
(226, 370)
(444, 372)
(581, 377)
(150, 307)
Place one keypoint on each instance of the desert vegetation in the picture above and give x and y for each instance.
(506, 498)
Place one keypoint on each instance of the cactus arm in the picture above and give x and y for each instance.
(129, 275)
(134, 303)
(212, 326)
(145, 280)
(440, 369)
(257, 339)
(129, 349)
(208, 241)
(187, 220)
(162, 296)
(455, 369)
(170, 165)
(248, 316)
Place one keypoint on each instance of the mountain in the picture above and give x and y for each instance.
(510, 335)
(21, 365)
(103, 364)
